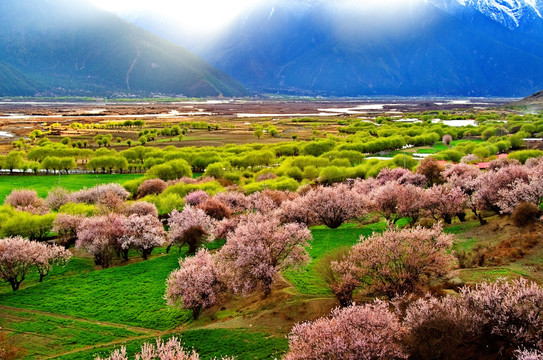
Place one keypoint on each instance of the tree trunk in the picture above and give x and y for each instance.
(125, 255)
(480, 217)
(196, 312)
(192, 247)
(14, 284)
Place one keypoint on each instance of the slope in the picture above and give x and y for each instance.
(73, 47)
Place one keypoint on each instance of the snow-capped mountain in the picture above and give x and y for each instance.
(509, 13)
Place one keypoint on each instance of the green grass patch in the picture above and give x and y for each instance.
(461, 245)
(461, 228)
(44, 335)
(131, 295)
(426, 151)
(307, 280)
(43, 183)
(75, 266)
(210, 343)
(478, 275)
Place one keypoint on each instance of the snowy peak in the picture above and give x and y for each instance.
(509, 13)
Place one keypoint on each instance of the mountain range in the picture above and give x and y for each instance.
(311, 47)
(70, 47)
(343, 48)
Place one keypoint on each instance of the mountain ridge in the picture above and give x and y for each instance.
(72, 47)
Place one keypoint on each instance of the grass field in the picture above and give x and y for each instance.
(79, 312)
(307, 280)
(209, 343)
(43, 183)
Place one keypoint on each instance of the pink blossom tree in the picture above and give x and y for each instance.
(401, 176)
(26, 200)
(258, 249)
(196, 285)
(444, 202)
(510, 312)
(259, 202)
(50, 256)
(296, 210)
(141, 208)
(394, 201)
(520, 192)
(196, 197)
(191, 226)
(23, 198)
(93, 195)
(491, 320)
(399, 261)
(334, 205)
(529, 354)
(411, 201)
(18, 256)
(99, 236)
(236, 201)
(487, 187)
(142, 233)
(364, 332)
(57, 197)
(66, 226)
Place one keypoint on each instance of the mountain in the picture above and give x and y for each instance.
(509, 13)
(533, 102)
(71, 47)
(14, 83)
(385, 47)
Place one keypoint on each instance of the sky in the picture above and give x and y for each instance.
(212, 15)
(197, 14)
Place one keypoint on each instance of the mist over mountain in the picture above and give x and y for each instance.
(70, 47)
(352, 48)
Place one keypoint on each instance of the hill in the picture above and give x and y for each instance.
(71, 47)
(534, 101)
(14, 83)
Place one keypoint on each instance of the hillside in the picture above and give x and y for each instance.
(71, 47)
(534, 101)
(14, 83)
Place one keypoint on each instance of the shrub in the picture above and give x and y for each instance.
(34, 227)
(151, 186)
(215, 208)
(524, 214)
